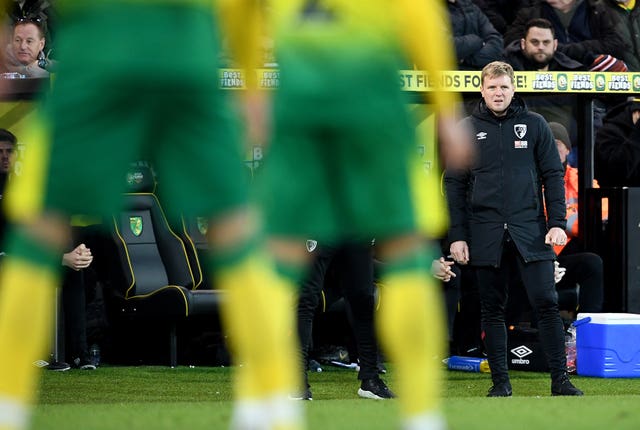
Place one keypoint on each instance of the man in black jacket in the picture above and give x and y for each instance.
(498, 221)
(617, 147)
(538, 50)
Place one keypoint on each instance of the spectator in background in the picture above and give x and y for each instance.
(617, 146)
(74, 304)
(582, 268)
(76, 260)
(476, 41)
(537, 50)
(25, 53)
(628, 27)
(585, 30)
(8, 142)
(43, 10)
(501, 13)
(355, 261)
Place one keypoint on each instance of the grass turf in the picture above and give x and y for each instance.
(200, 398)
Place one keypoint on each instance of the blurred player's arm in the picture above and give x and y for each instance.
(433, 51)
(242, 22)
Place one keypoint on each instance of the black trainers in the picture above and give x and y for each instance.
(503, 389)
(83, 364)
(375, 388)
(58, 366)
(563, 387)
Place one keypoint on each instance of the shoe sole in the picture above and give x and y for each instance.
(370, 395)
(64, 369)
(300, 398)
(88, 367)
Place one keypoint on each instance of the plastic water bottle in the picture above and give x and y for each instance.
(570, 349)
(468, 364)
(94, 355)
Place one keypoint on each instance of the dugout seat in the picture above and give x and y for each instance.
(193, 233)
(158, 278)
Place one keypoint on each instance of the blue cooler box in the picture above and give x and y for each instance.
(608, 345)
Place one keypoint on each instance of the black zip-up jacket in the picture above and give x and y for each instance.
(617, 148)
(517, 162)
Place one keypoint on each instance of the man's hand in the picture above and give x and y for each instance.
(79, 258)
(460, 252)
(558, 272)
(455, 144)
(441, 269)
(555, 236)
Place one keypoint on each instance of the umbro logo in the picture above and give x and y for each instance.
(311, 245)
(521, 351)
(482, 135)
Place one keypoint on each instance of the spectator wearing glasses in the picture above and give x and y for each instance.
(42, 10)
(25, 52)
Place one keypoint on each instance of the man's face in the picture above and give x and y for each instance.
(561, 4)
(497, 93)
(563, 151)
(27, 42)
(539, 46)
(7, 156)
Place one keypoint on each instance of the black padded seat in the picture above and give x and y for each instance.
(159, 281)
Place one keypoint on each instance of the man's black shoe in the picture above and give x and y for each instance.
(58, 366)
(563, 387)
(83, 364)
(503, 389)
(375, 388)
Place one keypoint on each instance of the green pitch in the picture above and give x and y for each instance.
(160, 398)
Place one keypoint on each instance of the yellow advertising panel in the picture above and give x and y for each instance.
(469, 81)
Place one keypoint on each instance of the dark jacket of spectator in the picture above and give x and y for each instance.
(629, 28)
(617, 148)
(592, 30)
(477, 42)
(559, 62)
(501, 13)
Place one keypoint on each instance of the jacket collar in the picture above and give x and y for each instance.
(516, 107)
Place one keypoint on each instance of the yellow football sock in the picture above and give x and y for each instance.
(258, 315)
(410, 323)
(26, 301)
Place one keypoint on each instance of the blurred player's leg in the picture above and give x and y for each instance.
(411, 327)
(28, 277)
(258, 315)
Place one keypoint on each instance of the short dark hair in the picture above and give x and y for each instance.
(539, 23)
(7, 136)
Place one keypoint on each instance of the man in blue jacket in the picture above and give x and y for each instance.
(499, 224)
